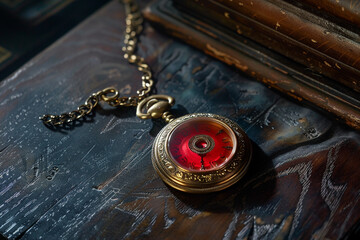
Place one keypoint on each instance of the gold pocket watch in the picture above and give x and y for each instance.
(197, 153)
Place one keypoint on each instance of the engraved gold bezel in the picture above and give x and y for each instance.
(201, 181)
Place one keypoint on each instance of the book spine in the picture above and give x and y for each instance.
(322, 46)
(348, 10)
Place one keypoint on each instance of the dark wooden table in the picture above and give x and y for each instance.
(95, 179)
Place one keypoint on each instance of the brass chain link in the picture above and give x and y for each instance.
(134, 26)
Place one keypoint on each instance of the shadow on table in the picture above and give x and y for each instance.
(254, 189)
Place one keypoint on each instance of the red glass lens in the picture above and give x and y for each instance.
(202, 144)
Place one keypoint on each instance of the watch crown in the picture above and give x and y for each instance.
(155, 107)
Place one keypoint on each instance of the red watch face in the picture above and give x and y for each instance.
(202, 144)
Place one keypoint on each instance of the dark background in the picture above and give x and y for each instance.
(27, 27)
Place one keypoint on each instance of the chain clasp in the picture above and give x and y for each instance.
(156, 106)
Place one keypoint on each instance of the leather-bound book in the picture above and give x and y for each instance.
(309, 50)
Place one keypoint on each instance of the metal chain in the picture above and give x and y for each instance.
(134, 21)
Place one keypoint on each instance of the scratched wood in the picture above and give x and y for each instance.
(94, 179)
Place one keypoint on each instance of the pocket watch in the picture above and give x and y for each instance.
(196, 153)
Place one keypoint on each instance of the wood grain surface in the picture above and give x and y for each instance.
(94, 179)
